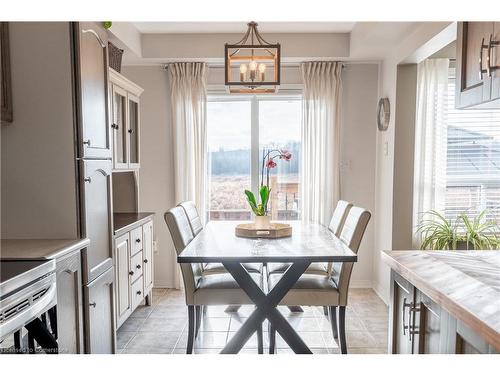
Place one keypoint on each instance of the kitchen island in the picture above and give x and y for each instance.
(444, 301)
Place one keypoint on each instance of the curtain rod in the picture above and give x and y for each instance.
(289, 65)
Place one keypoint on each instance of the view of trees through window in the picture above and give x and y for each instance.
(239, 129)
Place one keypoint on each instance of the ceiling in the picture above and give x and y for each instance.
(240, 27)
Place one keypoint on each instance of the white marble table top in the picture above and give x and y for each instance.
(217, 242)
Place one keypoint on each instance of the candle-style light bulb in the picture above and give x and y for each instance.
(262, 71)
(253, 70)
(243, 72)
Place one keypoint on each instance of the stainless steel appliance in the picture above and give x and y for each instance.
(27, 290)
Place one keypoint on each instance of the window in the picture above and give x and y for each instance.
(473, 159)
(239, 128)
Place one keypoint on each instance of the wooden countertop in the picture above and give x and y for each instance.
(465, 283)
(39, 248)
(125, 221)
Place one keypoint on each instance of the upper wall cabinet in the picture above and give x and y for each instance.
(125, 116)
(478, 64)
(94, 136)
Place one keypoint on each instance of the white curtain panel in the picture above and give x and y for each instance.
(320, 176)
(189, 122)
(429, 183)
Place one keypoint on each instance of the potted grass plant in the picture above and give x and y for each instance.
(262, 219)
(464, 233)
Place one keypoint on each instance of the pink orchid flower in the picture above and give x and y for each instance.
(271, 164)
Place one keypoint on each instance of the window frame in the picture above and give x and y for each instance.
(218, 96)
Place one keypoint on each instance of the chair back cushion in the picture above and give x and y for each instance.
(339, 216)
(351, 234)
(193, 216)
(180, 230)
(336, 224)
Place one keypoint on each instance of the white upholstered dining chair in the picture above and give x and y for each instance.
(204, 289)
(328, 289)
(196, 226)
(336, 223)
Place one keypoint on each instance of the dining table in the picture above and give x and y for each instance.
(309, 243)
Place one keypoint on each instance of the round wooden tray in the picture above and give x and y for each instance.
(277, 230)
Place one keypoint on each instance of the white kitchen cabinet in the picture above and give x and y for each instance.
(134, 266)
(125, 121)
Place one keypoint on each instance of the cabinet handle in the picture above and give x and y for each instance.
(138, 266)
(131, 273)
(93, 304)
(145, 260)
(491, 44)
(87, 179)
(139, 292)
(87, 142)
(412, 329)
(404, 310)
(137, 240)
(481, 70)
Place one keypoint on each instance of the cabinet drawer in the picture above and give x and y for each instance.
(136, 266)
(137, 292)
(136, 240)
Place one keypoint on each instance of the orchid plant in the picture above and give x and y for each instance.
(268, 162)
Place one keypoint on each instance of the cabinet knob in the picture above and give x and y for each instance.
(93, 304)
(137, 240)
(131, 131)
(138, 266)
(131, 273)
(87, 142)
(115, 126)
(145, 260)
(139, 292)
(87, 179)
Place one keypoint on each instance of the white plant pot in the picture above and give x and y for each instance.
(262, 222)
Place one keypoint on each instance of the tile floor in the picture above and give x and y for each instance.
(162, 327)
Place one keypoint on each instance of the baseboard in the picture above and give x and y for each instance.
(357, 284)
(382, 292)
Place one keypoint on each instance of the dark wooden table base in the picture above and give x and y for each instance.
(266, 307)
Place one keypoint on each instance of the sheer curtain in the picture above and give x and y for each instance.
(429, 182)
(189, 124)
(320, 176)
(189, 108)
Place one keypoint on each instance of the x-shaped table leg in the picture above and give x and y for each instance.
(266, 307)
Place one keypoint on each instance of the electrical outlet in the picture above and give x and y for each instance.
(155, 246)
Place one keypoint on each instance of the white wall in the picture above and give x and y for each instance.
(156, 192)
(39, 180)
(156, 177)
(423, 41)
(358, 150)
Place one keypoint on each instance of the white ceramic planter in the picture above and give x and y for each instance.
(262, 222)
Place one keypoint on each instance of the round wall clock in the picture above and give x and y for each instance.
(383, 114)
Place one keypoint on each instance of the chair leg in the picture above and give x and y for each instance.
(272, 339)
(198, 310)
(343, 343)
(333, 321)
(260, 341)
(191, 328)
(325, 310)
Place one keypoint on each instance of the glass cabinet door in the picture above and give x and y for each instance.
(119, 127)
(133, 130)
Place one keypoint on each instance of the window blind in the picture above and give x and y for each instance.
(473, 159)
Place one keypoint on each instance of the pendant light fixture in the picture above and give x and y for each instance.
(252, 65)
